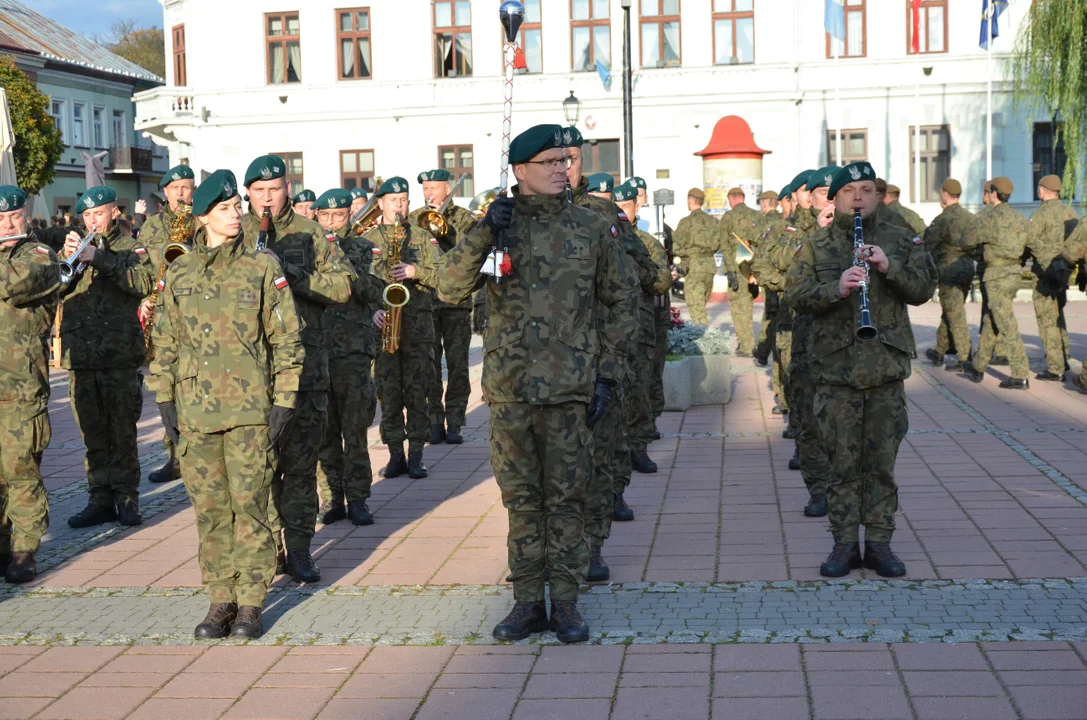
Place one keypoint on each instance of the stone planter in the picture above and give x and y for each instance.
(697, 380)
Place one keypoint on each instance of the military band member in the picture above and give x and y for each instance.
(345, 475)
(950, 240)
(228, 360)
(548, 369)
(452, 323)
(358, 199)
(860, 402)
(404, 376)
(638, 183)
(103, 349)
(697, 238)
(29, 290)
(601, 185)
(741, 225)
(303, 204)
(319, 275)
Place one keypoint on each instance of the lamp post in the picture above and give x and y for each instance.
(628, 109)
(571, 108)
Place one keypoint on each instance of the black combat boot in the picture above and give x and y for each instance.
(359, 513)
(1013, 384)
(217, 623)
(934, 357)
(622, 511)
(92, 515)
(567, 622)
(656, 434)
(453, 437)
(170, 471)
(128, 514)
(953, 366)
(780, 410)
(762, 357)
(640, 462)
(1080, 385)
(525, 618)
(248, 623)
(844, 557)
(301, 567)
(437, 433)
(816, 507)
(1000, 360)
(5, 560)
(878, 557)
(789, 432)
(416, 469)
(398, 464)
(331, 511)
(598, 569)
(21, 568)
(794, 461)
(972, 374)
(1051, 377)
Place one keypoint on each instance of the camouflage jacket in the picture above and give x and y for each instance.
(741, 223)
(658, 284)
(29, 290)
(155, 235)
(1003, 235)
(662, 298)
(319, 276)
(543, 344)
(100, 329)
(913, 220)
(227, 339)
(696, 238)
(836, 355)
(1075, 247)
(781, 243)
(460, 221)
(419, 248)
(949, 239)
(1046, 231)
(349, 326)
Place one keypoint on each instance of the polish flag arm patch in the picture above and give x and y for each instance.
(330, 237)
(42, 250)
(376, 250)
(917, 241)
(140, 251)
(281, 282)
(614, 232)
(623, 216)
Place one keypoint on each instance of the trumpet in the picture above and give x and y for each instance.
(68, 268)
(433, 221)
(395, 295)
(866, 330)
(169, 253)
(367, 218)
(481, 202)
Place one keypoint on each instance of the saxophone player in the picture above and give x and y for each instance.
(403, 376)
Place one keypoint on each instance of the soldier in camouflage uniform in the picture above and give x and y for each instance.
(358, 200)
(302, 204)
(1075, 252)
(103, 349)
(344, 475)
(768, 203)
(913, 220)
(403, 377)
(741, 225)
(860, 402)
(697, 238)
(452, 324)
(549, 367)
(949, 240)
(29, 288)
(319, 275)
(228, 360)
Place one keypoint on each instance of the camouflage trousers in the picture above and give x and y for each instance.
(814, 464)
(953, 320)
(862, 430)
(542, 457)
(783, 354)
(228, 475)
(1001, 322)
(986, 313)
(764, 343)
(638, 411)
(344, 470)
(741, 307)
(107, 404)
(452, 335)
(24, 504)
(294, 486)
(402, 381)
(697, 288)
(611, 453)
(660, 357)
(1050, 332)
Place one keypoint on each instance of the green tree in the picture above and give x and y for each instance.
(1050, 66)
(38, 143)
(144, 46)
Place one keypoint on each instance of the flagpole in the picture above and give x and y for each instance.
(917, 131)
(989, 97)
(837, 104)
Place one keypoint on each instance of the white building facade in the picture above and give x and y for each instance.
(388, 88)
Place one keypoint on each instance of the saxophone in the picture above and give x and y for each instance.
(396, 295)
(180, 231)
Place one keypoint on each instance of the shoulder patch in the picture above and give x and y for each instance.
(162, 284)
(790, 228)
(917, 241)
(140, 251)
(331, 237)
(623, 216)
(376, 250)
(614, 232)
(281, 282)
(433, 241)
(42, 250)
(797, 251)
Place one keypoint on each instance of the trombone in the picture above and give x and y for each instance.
(68, 268)
(433, 221)
(367, 218)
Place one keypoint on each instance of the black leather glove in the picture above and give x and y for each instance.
(278, 422)
(1081, 275)
(753, 288)
(499, 215)
(733, 281)
(168, 413)
(598, 405)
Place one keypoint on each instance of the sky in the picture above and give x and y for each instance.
(96, 18)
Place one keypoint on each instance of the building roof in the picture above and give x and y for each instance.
(23, 29)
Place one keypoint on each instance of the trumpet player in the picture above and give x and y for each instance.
(103, 348)
(404, 375)
(859, 402)
(452, 323)
(29, 287)
(177, 185)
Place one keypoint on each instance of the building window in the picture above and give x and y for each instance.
(452, 38)
(933, 27)
(120, 130)
(79, 121)
(354, 35)
(854, 147)
(98, 126)
(284, 48)
(457, 159)
(660, 33)
(530, 38)
(1048, 159)
(935, 161)
(293, 161)
(57, 107)
(590, 34)
(357, 169)
(181, 75)
(856, 41)
(733, 32)
(600, 156)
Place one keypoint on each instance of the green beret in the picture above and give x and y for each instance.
(636, 182)
(853, 172)
(178, 172)
(333, 200)
(94, 197)
(392, 185)
(535, 140)
(625, 192)
(571, 136)
(799, 180)
(358, 192)
(601, 182)
(438, 175)
(266, 167)
(220, 186)
(11, 198)
(304, 196)
(786, 192)
(822, 177)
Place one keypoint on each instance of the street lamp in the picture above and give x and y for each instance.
(571, 107)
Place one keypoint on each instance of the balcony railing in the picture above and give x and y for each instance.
(126, 158)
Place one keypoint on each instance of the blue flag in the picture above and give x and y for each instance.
(605, 74)
(834, 19)
(994, 8)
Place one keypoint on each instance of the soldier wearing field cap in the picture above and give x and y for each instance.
(302, 203)
(913, 220)
(697, 238)
(740, 228)
(950, 239)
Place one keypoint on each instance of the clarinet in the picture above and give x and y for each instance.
(265, 226)
(866, 331)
